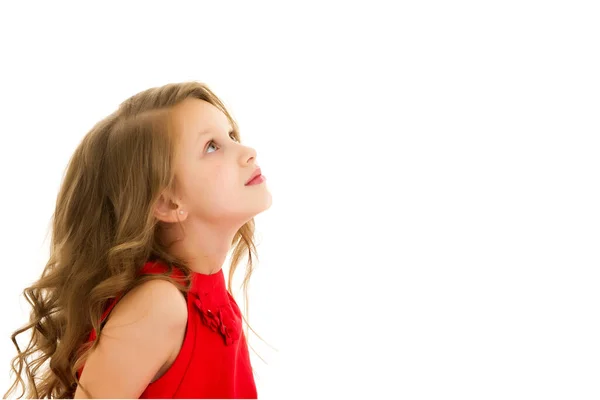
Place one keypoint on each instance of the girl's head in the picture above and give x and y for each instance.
(212, 167)
(163, 177)
(209, 195)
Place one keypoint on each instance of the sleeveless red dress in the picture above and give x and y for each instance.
(214, 361)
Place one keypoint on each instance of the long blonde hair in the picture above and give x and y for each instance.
(103, 230)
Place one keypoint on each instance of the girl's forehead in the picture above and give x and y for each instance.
(194, 118)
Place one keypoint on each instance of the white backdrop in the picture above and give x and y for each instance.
(434, 169)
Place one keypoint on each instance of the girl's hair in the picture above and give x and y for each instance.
(103, 231)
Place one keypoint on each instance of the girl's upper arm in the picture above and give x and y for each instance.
(137, 340)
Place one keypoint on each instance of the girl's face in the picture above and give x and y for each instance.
(212, 168)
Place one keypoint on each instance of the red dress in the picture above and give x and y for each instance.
(214, 361)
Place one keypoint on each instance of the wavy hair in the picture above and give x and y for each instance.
(103, 230)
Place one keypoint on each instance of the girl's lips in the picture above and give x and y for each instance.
(256, 180)
(256, 173)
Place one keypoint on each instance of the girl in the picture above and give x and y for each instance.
(133, 302)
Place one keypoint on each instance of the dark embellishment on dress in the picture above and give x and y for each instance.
(221, 320)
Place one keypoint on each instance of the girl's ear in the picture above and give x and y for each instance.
(166, 210)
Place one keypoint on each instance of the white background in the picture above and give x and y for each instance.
(434, 168)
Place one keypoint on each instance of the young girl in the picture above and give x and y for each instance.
(133, 301)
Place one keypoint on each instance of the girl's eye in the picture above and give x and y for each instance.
(211, 142)
(209, 145)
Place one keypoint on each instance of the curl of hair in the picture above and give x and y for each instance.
(103, 231)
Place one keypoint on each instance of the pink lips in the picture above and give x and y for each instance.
(256, 177)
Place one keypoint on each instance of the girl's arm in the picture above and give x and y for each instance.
(142, 331)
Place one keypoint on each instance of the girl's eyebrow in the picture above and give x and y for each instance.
(206, 132)
(203, 133)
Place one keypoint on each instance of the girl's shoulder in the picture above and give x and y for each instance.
(164, 289)
(143, 329)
